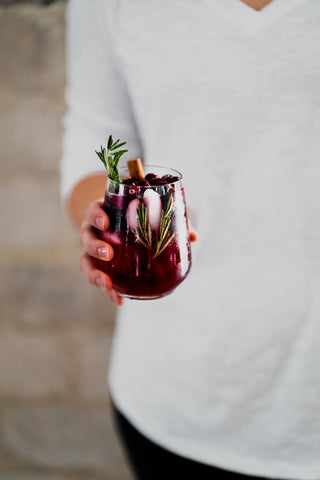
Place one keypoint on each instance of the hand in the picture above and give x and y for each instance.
(95, 248)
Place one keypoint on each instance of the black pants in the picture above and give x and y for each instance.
(152, 462)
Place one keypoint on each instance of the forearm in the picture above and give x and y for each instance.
(86, 190)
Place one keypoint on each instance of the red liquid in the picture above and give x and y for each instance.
(135, 270)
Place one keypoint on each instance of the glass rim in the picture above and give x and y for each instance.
(169, 170)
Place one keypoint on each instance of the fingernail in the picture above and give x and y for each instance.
(100, 222)
(103, 252)
(100, 282)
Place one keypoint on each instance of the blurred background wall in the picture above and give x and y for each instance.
(56, 329)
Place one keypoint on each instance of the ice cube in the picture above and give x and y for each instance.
(153, 203)
(131, 215)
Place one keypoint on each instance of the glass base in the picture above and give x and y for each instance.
(143, 297)
(132, 297)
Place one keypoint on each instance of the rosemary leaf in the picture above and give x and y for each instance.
(149, 235)
(110, 142)
(116, 145)
(166, 229)
(169, 207)
(165, 245)
(119, 153)
(110, 157)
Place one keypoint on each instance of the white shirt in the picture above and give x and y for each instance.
(226, 369)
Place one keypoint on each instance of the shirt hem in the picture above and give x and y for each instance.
(218, 459)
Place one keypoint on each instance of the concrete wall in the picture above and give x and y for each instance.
(56, 329)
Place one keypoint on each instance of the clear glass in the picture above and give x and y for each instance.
(149, 234)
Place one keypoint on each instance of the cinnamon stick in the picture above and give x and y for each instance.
(135, 168)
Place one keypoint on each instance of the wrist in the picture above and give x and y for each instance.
(86, 190)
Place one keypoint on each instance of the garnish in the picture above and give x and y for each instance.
(135, 168)
(110, 157)
(160, 239)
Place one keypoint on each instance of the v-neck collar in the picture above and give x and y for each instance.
(247, 18)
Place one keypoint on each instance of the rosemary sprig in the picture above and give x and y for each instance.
(110, 157)
(159, 240)
(164, 238)
(143, 232)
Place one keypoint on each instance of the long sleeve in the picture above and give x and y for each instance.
(97, 100)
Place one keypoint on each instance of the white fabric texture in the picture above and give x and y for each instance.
(226, 369)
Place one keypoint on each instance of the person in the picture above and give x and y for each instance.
(220, 378)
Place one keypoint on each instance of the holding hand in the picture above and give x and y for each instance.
(94, 248)
(97, 220)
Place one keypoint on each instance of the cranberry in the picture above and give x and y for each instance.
(175, 179)
(151, 176)
(159, 181)
(167, 177)
(170, 178)
(143, 183)
(128, 181)
(133, 190)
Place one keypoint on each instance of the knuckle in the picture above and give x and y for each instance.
(92, 248)
(92, 279)
(108, 285)
(108, 294)
(87, 210)
(83, 235)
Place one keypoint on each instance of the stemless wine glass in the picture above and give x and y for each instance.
(148, 232)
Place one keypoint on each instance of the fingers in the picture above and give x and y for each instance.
(114, 297)
(92, 244)
(95, 276)
(98, 278)
(96, 216)
(95, 248)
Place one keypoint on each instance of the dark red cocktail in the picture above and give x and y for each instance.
(148, 232)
